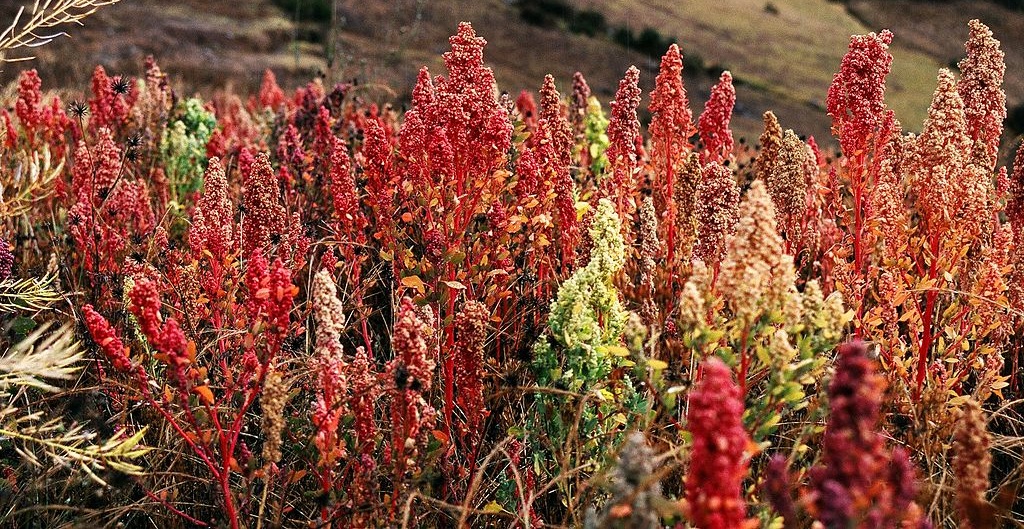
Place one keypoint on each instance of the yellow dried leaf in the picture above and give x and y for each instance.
(492, 508)
(454, 285)
(414, 282)
(657, 365)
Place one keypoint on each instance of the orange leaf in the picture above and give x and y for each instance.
(621, 510)
(205, 394)
(442, 437)
(414, 282)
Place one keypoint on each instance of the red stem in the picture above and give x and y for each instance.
(171, 508)
(930, 297)
(857, 186)
(670, 200)
(449, 358)
(744, 361)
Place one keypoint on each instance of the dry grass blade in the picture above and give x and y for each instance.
(27, 294)
(53, 355)
(41, 356)
(30, 182)
(28, 32)
(69, 446)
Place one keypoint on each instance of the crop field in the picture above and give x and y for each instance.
(346, 303)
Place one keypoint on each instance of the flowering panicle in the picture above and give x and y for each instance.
(770, 148)
(351, 223)
(306, 101)
(236, 127)
(165, 336)
(623, 142)
(154, 102)
(756, 274)
(580, 101)
(364, 390)
(413, 136)
(788, 181)
(634, 492)
(777, 487)
(211, 235)
(860, 483)
(106, 338)
(328, 313)
(671, 117)
(716, 213)
(363, 382)
(6, 260)
(272, 402)
(128, 208)
(587, 313)
(647, 240)
(412, 374)
(569, 228)
(381, 186)
(246, 159)
(593, 144)
(526, 105)
(323, 137)
(470, 338)
(57, 122)
(981, 87)
(265, 219)
(719, 453)
(472, 120)
(950, 192)
(972, 461)
(553, 126)
(330, 366)
(713, 124)
(556, 140)
(95, 169)
(271, 295)
(271, 96)
(886, 204)
(290, 154)
(29, 106)
(1015, 201)
(990, 281)
(107, 107)
(684, 197)
(856, 98)
(109, 210)
(528, 173)
(1015, 214)
(671, 129)
(10, 133)
(692, 306)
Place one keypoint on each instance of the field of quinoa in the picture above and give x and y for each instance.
(310, 308)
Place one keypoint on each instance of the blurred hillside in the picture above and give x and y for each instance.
(782, 53)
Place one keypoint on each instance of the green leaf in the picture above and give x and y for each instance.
(22, 325)
(614, 350)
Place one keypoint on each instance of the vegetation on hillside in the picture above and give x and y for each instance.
(312, 309)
